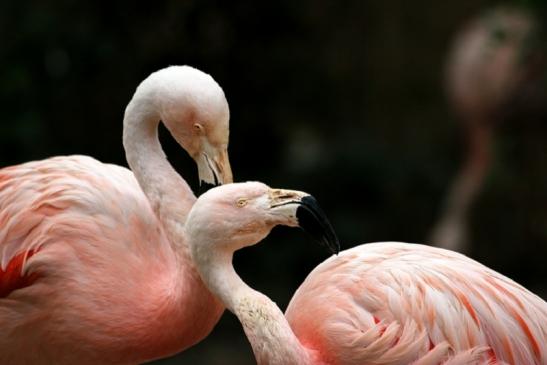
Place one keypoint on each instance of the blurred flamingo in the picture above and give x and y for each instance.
(489, 64)
(379, 303)
(95, 270)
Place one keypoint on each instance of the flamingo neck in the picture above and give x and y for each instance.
(267, 329)
(171, 199)
(479, 153)
(169, 195)
(471, 176)
(451, 232)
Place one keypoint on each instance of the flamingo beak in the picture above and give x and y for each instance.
(213, 168)
(314, 221)
(303, 210)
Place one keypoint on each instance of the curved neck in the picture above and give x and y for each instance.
(169, 195)
(450, 232)
(267, 329)
(471, 176)
(171, 199)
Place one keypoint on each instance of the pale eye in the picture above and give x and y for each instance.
(241, 202)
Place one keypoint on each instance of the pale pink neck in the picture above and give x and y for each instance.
(465, 187)
(169, 195)
(471, 176)
(171, 199)
(267, 329)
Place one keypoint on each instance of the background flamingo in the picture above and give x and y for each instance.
(491, 63)
(93, 270)
(380, 303)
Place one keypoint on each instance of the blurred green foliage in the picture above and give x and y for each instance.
(341, 99)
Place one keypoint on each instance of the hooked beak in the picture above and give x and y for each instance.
(301, 209)
(213, 168)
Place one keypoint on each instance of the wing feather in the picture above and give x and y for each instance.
(429, 303)
(47, 201)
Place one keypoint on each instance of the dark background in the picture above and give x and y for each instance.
(341, 99)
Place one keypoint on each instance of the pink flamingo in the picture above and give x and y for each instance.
(95, 270)
(487, 66)
(379, 303)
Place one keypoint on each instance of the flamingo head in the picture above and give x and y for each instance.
(194, 109)
(234, 216)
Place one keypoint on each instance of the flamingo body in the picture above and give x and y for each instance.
(398, 303)
(94, 267)
(386, 303)
(96, 238)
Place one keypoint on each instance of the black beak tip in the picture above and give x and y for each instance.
(335, 246)
(313, 220)
(332, 243)
(205, 186)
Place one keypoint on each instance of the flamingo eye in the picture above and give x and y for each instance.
(198, 128)
(241, 202)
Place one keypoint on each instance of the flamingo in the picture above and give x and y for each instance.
(94, 264)
(487, 66)
(379, 303)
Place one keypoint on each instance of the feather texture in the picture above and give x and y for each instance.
(429, 304)
(95, 236)
(94, 268)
